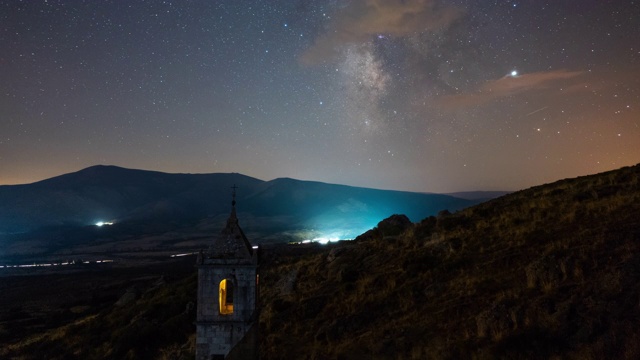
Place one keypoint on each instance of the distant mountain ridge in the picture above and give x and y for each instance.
(101, 193)
(111, 193)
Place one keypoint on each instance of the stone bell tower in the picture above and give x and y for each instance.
(227, 312)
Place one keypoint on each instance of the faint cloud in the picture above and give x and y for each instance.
(585, 86)
(507, 86)
(361, 20)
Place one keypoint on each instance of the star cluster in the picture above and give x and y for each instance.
(421, 95)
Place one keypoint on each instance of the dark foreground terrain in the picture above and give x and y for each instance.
(99, 311)
(548, 272)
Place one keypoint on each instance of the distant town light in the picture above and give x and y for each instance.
(183, 254)
(102, 223)
(325, 240)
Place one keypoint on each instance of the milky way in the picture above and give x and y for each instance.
(418, 95)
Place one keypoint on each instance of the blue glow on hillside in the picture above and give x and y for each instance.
(327, 235)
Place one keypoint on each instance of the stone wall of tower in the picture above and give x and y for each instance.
(244, 297)
(218, 334)
(219, 339)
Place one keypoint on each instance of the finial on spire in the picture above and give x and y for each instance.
(233, 195)
(232, 217)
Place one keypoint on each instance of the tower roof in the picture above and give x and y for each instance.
(231, 242)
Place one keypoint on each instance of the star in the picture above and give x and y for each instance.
(360, 81)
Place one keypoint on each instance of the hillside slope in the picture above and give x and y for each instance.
(102, 193)
(549, 271)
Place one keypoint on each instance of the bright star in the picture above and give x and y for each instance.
(514, 73)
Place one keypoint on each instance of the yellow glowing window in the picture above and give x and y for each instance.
(226, 297)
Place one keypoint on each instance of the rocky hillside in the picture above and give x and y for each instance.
(548, 272)
(552, 271)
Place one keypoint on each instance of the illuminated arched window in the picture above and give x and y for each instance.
(226, 297)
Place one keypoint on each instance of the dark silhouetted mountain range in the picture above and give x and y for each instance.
(110, 193)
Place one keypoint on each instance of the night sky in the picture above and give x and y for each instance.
(420, 95)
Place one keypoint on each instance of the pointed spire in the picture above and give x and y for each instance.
(233, 195)
(233, 217)
(231, 242)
